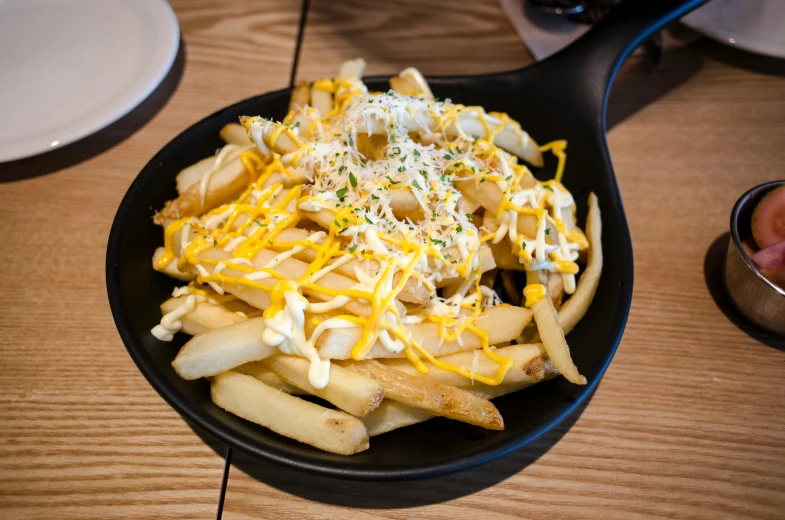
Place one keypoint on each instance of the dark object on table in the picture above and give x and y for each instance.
(580, 11)
(571, 91)
(592, 11)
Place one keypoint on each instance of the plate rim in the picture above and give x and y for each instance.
(167, 28)
(700, 21)
(235, 439)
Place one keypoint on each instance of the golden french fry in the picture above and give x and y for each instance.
(550, 330)
(352, 68)
(438, 399)
(225, 183)
(541, 368)
(291, 269)
(232, 304)
(401, 86)
(299, 99)
(526, 366)
(196, 172)
(249, 398)
(501, 323)
(269, 135)
(219, 350)
(413, 291)
(510, 137)
(171, 268)
(411, 81)
(348, 390)
(576, 306)
(555, 285)
(321, 100)
(233, 133)
(258, 370)
(391, 415)
(205, 316)
(489, 195)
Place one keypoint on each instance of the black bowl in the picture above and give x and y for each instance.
(561, 98)
(431, 448)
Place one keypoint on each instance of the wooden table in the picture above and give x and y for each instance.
(688, 422)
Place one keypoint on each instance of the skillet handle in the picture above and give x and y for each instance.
(597, 56)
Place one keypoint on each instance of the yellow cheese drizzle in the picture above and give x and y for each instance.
(533, 293)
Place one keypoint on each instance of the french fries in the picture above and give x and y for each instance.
(326, 429)
(226, 182)
(235, 134)
(436, 398)
(526, 366)
(575, 308)
(258, 370)
(501, 323)
(349, 391)
(391, 415)
(553, 339)
(219, 350)
(205, 317)
(362, 226)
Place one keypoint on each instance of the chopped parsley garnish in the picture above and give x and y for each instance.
(346, 220)
(215, 243)
(416, 153)
(548, 188)
(547, 231)
(460, 228)
(337, 224)
(447, 157)
(259, 223)
(416, 185)
(402, 168)
(368, 220)
(374, 197)
(352, 179)
(352, 248)
(448, 255)
(342, 192)
(341, 169)
(469, 216)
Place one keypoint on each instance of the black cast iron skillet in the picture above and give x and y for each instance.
(562, 97)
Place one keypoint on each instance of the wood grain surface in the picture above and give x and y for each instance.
(82, 434)
(462, 37)
(689, 421)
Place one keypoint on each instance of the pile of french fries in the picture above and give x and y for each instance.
(245, 235)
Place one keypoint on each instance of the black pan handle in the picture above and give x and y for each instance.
(597, 56)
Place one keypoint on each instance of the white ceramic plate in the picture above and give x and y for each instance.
(71, 67)
(753, 25)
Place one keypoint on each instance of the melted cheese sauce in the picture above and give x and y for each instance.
(390, 207)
